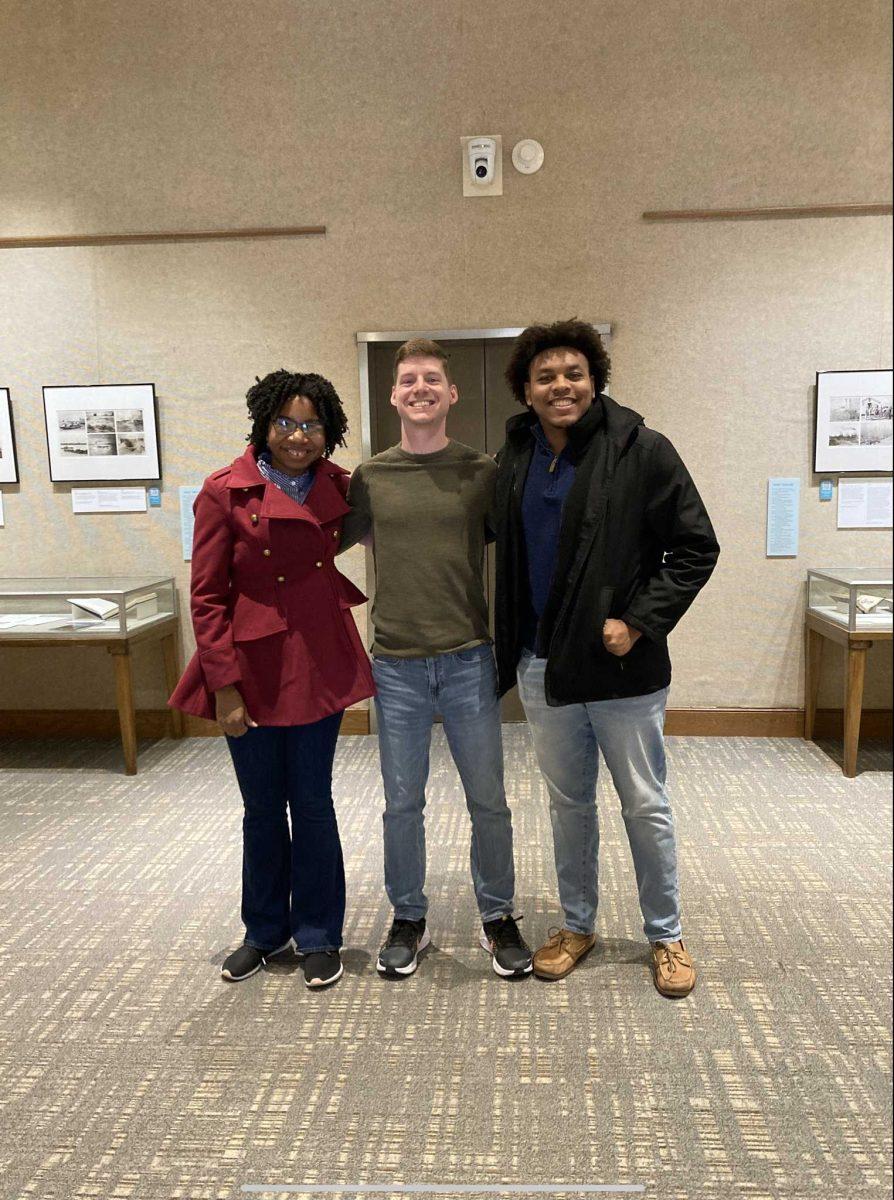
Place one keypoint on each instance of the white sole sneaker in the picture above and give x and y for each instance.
(321, 983)
(230, 978)
(224, 974)
(424, 941)
(484, 943)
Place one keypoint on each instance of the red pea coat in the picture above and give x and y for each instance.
(270, 611)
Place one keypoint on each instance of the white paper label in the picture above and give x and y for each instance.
(93, 500)
(864, 503)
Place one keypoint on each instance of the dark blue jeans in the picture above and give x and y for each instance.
(292, 885)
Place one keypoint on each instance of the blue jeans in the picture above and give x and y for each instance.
(630, 734)
(292, 886)
(462, 687)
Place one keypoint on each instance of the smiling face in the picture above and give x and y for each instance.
(560, 389)
(294, 452)
(422, 394)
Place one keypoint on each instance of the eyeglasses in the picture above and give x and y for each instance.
(285, 427)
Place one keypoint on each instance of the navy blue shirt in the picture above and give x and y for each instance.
(548, 483)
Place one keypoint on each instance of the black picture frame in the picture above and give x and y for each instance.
(9, 463)
(102, 433)
(847, 431)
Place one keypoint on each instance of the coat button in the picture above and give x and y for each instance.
(254, 518)
(318, 564)
(280, 579)
(266, 553)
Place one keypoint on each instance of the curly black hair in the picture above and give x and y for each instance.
(575, 334)
(267, 396)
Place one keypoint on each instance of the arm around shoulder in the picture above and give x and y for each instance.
(357, 525)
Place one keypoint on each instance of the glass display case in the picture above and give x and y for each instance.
(78, 606)
(855, 598)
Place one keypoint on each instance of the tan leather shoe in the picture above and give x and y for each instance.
(558, 957)
(672, 969)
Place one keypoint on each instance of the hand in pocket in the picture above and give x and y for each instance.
(619, 638)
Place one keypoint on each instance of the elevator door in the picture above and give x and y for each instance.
(478, 418)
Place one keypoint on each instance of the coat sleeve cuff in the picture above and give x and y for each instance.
(220, 670)
(636, 623)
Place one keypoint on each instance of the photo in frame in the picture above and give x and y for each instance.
(101, 433)
(9, 470)
(853, 421)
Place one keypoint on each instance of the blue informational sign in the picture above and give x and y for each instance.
(187, 499)
(783, 505)
(154, 497)
(825, 489)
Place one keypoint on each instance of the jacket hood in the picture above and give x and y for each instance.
(620, 423)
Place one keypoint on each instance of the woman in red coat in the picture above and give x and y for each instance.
(278, 660)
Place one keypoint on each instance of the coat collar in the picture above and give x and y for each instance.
(324, 503)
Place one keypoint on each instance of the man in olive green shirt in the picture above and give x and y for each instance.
(424, 504)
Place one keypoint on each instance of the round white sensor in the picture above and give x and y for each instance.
(527, 156)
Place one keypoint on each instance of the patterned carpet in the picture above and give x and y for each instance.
(129, 1070)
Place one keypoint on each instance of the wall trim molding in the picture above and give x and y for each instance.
(771, 722)
(681, 722)
(148, 238)
(881, 209)
(103, 723)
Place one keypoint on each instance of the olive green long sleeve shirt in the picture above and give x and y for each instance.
(428, 515)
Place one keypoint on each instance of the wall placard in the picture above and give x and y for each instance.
(865, 504)
(103, 500)
(187, 519)
(783, 511)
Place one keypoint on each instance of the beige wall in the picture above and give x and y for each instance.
(136, 115)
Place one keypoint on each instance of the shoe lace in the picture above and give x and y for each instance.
(556, 936)
(670, 957)
(505, 932)
(403, 933)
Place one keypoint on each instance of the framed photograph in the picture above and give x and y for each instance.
(9, 471)
(853, 421)
(102, 432)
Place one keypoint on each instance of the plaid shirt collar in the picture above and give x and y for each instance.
(295, 486)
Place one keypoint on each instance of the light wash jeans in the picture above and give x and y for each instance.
(630, 734)
(462, 687)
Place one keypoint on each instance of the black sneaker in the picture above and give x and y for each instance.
(405, 941)
(321, 968)
(510, 954)
(246, 961)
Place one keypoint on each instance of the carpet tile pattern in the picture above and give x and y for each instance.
(130, 1071)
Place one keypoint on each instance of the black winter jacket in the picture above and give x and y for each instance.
(636, 544)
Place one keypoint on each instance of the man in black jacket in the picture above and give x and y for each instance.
(602, 544)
